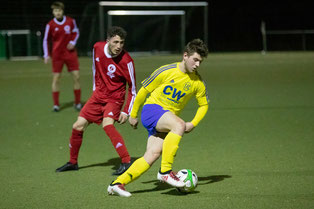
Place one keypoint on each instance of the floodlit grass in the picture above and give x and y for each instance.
(254, 149)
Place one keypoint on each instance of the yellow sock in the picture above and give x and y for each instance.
(169, 150)
(136, 169)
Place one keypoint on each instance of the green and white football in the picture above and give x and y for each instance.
(189, 178)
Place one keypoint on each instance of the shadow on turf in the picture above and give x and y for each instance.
(68, 105)
(162, 186)
(212, 179)
(115, 162)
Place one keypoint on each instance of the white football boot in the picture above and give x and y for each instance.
(119, 190)
(170, 178)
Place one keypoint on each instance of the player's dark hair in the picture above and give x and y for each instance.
(57, 5)
(198, 46)
(116, 31)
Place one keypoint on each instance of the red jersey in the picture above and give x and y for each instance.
(111, 76)
(60, 33)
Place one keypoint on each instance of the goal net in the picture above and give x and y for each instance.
(20, 44)
(155, 26)
(287, 40)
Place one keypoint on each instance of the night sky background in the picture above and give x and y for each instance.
(232, 25)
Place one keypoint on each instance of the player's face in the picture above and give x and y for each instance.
(192, 62)
(57, 13)
(116, 45)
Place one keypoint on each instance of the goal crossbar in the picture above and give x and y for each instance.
(146, 12)
(153, 4)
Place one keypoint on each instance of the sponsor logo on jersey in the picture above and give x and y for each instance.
(97, 59)
(110, 113)
(111, 70)
(174, 93)
(172, 81)
(56, 29)
(67, 29)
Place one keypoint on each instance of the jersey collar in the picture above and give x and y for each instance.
(60, 23)
(106, 51)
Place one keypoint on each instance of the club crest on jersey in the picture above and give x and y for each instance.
(67, 29)
(111, 70)
(187, 86)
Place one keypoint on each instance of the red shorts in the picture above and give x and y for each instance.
(70, 59)
(94, 111)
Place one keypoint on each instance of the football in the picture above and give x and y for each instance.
(189, 178)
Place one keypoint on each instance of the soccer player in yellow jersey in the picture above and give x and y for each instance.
(170, 88)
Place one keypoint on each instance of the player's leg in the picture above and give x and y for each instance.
(57, 66)
(116, 140)
(139, 167)
(75, 144)
(73, 67)
(76, 89)
(152, 118)
(176, 127)
(56, 91)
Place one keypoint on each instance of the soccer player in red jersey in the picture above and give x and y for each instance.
(63, 33)
(113, 68)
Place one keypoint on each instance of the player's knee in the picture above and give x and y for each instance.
(78, 126)
(107, 121)
(179, 127)
(56, 79)
(77, 77)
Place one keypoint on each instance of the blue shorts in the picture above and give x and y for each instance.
(150, 115)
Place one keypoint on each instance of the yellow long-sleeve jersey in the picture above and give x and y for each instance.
(172, 89)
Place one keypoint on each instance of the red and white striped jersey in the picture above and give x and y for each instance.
(111, 74)
(60, 34)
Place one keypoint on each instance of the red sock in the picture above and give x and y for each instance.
(118, 143)
(75, 144)
(77, 96)
(55, 97)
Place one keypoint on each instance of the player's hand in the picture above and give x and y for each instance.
(46, 59)
(133, 122)
(70, 46)
(188, 127)
(122, 118)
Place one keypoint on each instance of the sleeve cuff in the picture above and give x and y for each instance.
(72, 42)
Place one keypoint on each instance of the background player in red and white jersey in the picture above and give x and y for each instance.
(113, 68)
(63, 34)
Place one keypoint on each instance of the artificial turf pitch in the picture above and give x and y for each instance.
(254, 149)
